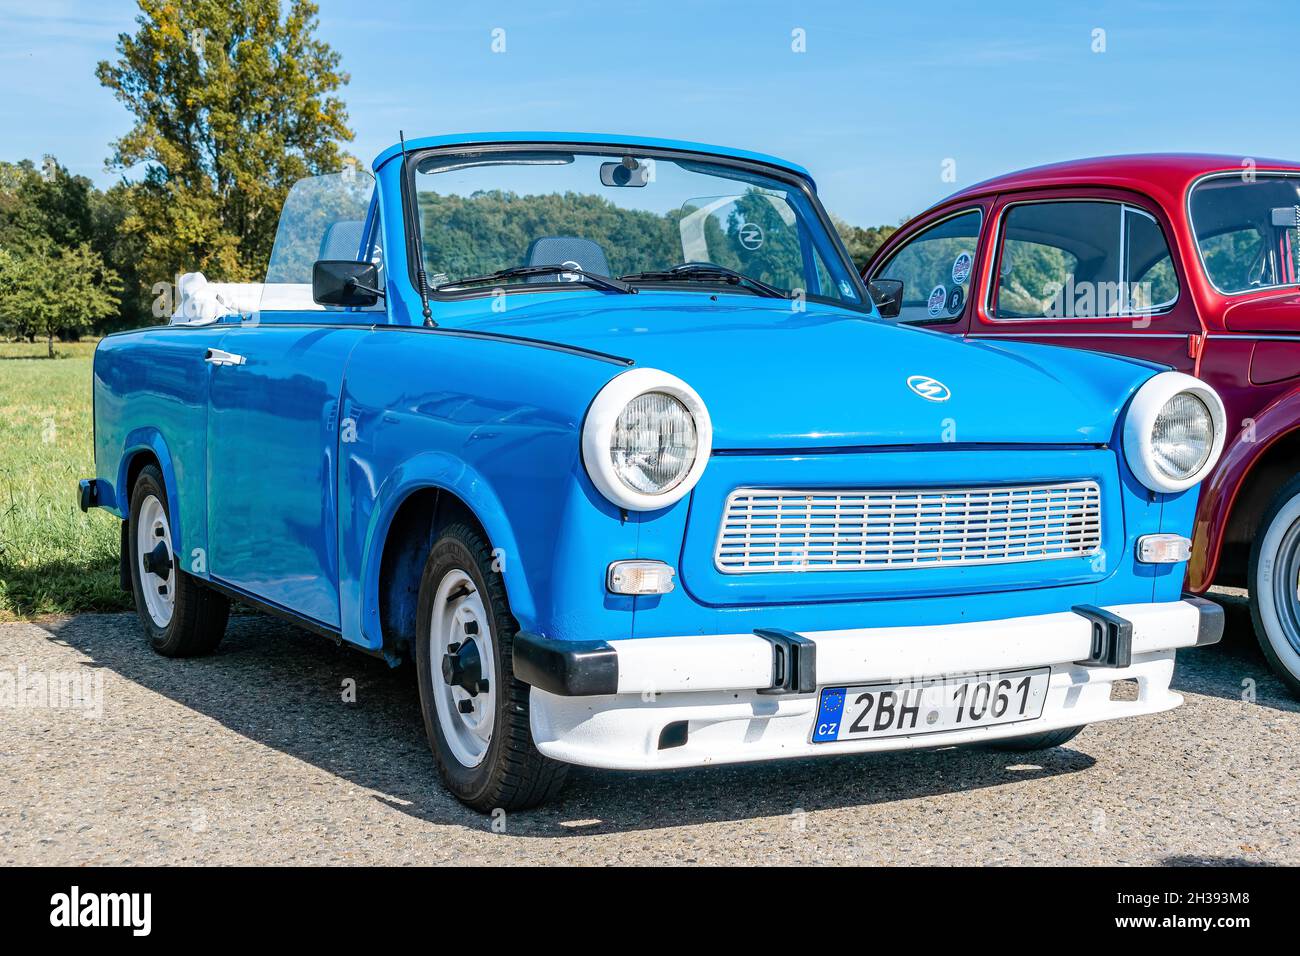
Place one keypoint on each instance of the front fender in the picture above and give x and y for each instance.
(494, 422)
(1219, 493)
(444, 472)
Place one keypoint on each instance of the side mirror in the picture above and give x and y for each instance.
(888, 296)
(339, 282)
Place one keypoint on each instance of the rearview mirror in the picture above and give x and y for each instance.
(630, 172)
(1286, 217)
(888, 296)
(340, 282)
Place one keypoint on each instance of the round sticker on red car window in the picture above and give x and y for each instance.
(938, 297)
(961, 268)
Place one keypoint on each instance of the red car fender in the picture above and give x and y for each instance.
(1220, 491)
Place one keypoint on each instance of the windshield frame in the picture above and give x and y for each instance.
(410, 217)
(1196, 241)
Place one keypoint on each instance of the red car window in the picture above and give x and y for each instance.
(937, 268)
(1081, 260)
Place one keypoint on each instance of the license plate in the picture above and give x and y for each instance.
(929, 706)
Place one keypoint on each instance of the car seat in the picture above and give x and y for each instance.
(572, 251)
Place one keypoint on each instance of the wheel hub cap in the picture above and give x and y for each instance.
(462, 666)
(461, 656)
(159, 561)
(153, 545)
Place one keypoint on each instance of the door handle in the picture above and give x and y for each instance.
(218, 357)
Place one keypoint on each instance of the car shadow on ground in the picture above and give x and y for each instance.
(1235, 668)
(284, 688)
(1212, 861)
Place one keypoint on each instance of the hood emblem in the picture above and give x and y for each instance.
(931, 389)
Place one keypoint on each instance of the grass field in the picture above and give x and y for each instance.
(53, 558)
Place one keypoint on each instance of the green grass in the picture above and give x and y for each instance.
(53, 558)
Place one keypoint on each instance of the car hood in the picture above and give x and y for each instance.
(825, 378)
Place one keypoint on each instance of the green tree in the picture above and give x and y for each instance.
(492, 229)
(8, 285)
(233, 103)
(46, 202)
(46, 290)
(862, 242)
(56, 279)
(87, 290)
(123, 252)
(29, 301)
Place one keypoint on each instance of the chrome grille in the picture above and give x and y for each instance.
(765, 530)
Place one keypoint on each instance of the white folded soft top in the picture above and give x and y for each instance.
(202, 302)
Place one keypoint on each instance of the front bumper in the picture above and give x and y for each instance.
(701, 699)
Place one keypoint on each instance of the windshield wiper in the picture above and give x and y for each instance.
(519, 272)
(707, 272)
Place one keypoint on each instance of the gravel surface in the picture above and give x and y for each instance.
(254, 756)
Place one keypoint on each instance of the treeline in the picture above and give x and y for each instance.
(231, 103)
(493, 229)
(66, 267)
(70, 262)
(862, 241)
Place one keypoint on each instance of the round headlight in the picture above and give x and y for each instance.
(646, 440)
(1174, 431)
(654, 443)
(1182, 436)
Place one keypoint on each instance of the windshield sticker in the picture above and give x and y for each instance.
(750, 235)
(955, 299)
(938, 297)
(961, 269)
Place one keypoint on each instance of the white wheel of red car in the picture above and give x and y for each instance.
(1275, 584)
(460, 645)
(156, 563)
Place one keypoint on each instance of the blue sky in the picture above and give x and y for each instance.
(882, 96)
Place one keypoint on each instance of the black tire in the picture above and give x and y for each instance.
(199, 615)
(1043, 741)
(512, 773)
(1275, 554)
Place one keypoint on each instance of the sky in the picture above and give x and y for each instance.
(891, 106)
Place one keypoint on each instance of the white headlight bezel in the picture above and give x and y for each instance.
(1140, 423)
(598, 432)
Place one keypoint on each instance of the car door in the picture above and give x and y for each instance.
(1249, 258)
(1091, 269)
(274, 425)
(273, 435)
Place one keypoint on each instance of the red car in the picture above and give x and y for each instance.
(1190, 261)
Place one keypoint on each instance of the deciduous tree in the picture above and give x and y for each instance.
(862, 242)
(46, 290)
(233, 102)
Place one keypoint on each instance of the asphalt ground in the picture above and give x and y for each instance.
(260, 755)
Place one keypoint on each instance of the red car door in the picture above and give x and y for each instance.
(1088, 268)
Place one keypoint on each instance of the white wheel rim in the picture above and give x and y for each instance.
(152, 529)
(456, 604)
(1276, 587)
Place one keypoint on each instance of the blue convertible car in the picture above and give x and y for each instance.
(609, 438)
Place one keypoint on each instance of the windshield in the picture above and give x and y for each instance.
(617, 215)
(1248, 230)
